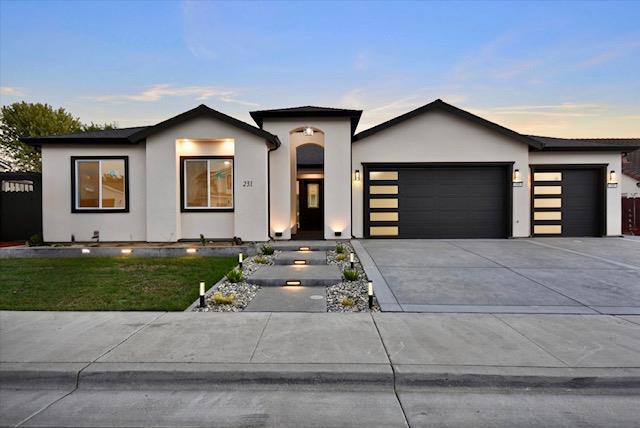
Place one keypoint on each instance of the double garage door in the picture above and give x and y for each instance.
(473, 201)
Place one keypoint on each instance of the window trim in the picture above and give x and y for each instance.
(74, 165)
(183, 193)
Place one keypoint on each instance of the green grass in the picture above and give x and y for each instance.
(107, 283)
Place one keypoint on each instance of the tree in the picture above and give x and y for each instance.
(22, 119)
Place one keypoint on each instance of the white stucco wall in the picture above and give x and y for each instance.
(337, 176)
(613, 162)
(59, 223)
(441, 137)
(629, 187)
(165, 222)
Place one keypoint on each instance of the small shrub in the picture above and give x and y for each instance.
(223, 299)
(260, 259)
(267, 250)
(347, 301)
(350, 275)
(36, 240)
(235, 275)
(203, 240)
(341, 257)
(341, 248)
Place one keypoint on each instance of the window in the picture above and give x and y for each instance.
(100, 184)
(313, 195)
(207, 184)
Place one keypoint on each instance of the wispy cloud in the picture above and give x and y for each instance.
(567, 109)
(611, 53)
(11, 91)
(158, 92)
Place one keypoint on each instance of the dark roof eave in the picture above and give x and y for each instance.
(39, 141)
(354, 115)
(624, 148)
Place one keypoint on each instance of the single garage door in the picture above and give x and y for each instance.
(568, 201)
(437, 201)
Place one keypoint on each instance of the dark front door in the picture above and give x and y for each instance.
(311, 205)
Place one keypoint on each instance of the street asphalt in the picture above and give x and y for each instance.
(318, 370)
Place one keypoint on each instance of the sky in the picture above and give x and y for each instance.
(565, 69)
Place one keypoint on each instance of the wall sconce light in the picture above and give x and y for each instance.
(370, 293)
(517, 178)
(337, 233)
(191, 251)
(293, 283)
(356, 176)
(202, 294)
(86, 251)
(278, 234)
(125, 251)
(613, 179)
(308, 131)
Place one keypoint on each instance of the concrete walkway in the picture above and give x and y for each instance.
(293, 369)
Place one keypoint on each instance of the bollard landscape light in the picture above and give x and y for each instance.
(351, 259)
(86, 251)
(240, 260)
(202, 294)
(370, 293)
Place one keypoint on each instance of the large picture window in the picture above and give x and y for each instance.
(207, 183)
(100, 184)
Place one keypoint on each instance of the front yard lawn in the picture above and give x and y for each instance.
(107, 283)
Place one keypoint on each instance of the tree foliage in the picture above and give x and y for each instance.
(22, 119)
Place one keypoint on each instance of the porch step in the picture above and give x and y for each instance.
(296, 245)
(289, 299)
(308, 275)
(309, 257)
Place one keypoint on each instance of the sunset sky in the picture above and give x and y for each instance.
(567, 69)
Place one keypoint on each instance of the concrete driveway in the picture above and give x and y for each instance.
(544, 275)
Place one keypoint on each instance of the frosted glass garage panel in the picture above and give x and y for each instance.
(383, 190)
(547, 176)
(383, 231)
(383, 203)
(383, 175)
(383, 216)
(547, 190)
(547, 215)
(547, 229)
(547, 203)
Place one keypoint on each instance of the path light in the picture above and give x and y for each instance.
(191, 251)
(126, 251)
(304, 249)
(202, 294)
(86, 251)
(240, 260)
(370, 293)
(299, 262)
(351, 260)
(293, 283)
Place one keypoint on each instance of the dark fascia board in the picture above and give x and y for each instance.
(38, 141)
(441, 105)
(354, 115)
(202, 110)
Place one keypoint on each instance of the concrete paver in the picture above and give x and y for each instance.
(310, 257)
(288, 299)
(621, 250)
(309, 275)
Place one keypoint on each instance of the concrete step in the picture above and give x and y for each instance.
(288, 299)
(309, 257)
(296, 245)
(307, 275)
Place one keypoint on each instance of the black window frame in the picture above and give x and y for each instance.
(76, 210)
(183, 206)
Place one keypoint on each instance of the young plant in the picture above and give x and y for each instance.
(235, 275)
(36, 240)
(341, 248)
(203, 240)
(223, 299)
(267, 250)
(350, 275)
(260, 259)
(347, 301)
(341, 257)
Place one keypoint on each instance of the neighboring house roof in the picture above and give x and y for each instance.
(631, 165)
(308, 111)
(137, 134)
(4, 166)
(534, 142)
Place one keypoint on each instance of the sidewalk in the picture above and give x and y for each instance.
(62, 368)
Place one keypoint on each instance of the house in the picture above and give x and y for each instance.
(435, 172)
(630, 182)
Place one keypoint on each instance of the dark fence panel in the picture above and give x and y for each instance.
(20, 205)
(631, 216)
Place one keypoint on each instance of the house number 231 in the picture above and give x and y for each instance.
(247, 183)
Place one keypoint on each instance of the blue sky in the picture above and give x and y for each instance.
(548, 68)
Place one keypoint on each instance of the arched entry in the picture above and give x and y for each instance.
(308, 204)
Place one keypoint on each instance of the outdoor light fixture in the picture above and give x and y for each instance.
(86, 251)
(337, 233)
(240, 260)
(308, 131)
(299, 262)
(351, 260)
(370, 293)
(126, 251)
(278, 234)
(613, 179)
(357, 175)
(292, 283)
(191, 250)
(304, 249)
(517, 179)
(202, 294)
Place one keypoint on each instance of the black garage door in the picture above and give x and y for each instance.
(568, 201)
(438, 201)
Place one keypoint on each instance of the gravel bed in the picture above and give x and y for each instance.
(243, 291)
(357, 290)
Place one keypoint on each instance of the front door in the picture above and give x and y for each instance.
(311, 205)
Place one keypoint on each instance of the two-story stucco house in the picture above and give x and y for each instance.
(435, 172)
